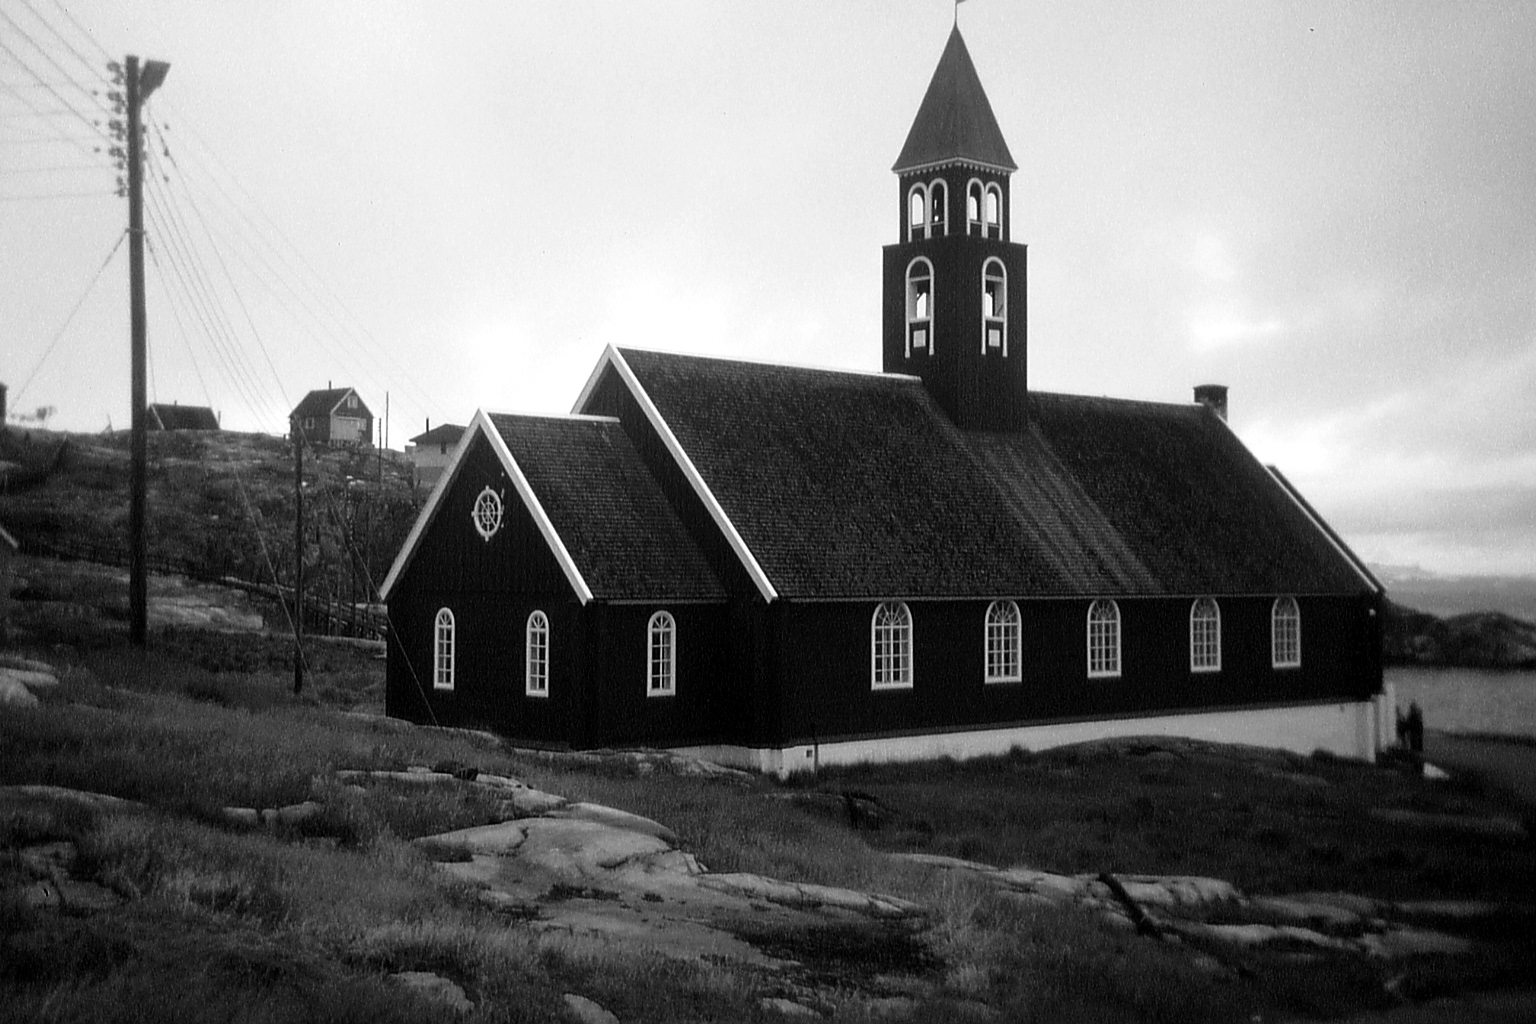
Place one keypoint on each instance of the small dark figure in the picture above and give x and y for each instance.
(1415, 727)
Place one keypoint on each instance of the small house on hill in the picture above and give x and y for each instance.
(334, 416)
(429, 452)
(782, 567)
(180, 417)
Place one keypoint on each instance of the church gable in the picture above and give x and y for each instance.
(591, 519)
(602, 501)
(483, 530)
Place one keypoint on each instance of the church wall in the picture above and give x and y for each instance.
(491, 587)
(826, 665)
(623, 713)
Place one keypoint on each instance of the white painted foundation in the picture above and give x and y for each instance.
(1355, 729)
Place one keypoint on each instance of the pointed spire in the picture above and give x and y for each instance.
(955, 120)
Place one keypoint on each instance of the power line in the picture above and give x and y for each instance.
(60, 37)
(205, 303)
(357, 343)
(218, 253)
(37, 196)
(80, 28)
(66, 76)
(70, 318)
(49, 88)
(40, 113)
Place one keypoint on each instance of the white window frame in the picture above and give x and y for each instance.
(486, 514)
(890, 647)
(536, 655)
(992, 210)
(938, 213)
(1004, 643)
(661, 655)
(444, 637)
(1104, 657)
(917, 212)
(999, 315)
(975, 192)
(1285, 610)
(913, 320)
(1205, 635)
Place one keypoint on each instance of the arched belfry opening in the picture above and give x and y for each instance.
(955, 276)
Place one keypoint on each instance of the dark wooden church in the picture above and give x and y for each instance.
(782, 567)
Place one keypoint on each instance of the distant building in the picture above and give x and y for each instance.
(430, 452)
(181, 417)
(334, 416)
(782, 567)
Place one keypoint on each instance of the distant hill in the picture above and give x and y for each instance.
(1447, 595)
(1470, 640)
(219, 504)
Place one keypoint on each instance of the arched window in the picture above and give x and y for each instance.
(890, 642)
(973, 204)
(1285, 633)
(1204, 636)
(1103, 639)
(662, 680)
(1004, 640)
(994, 307)
(938, 207)
(442, 650)
(917, 212)
(994, 211)
(536, 656)
(919, 306)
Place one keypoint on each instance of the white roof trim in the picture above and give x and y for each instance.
(482, 424)
(1326, 530)
(1312, 517)
(612, 357)
(591, 384)
(953, 161)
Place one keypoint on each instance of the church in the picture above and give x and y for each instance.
(781, 567)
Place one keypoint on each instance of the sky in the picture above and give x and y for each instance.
(1329, 207)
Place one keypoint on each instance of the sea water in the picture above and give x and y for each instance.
(1469, 699)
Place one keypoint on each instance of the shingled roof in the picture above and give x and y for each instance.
(324, 401)
(443, 433)
(849, 484)
(626, 540)
(955, 120)
(181, 417)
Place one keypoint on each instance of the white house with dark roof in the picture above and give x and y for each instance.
(783, 567)
(333, 416)
(429, 451)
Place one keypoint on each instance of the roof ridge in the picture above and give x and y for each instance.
(739, 361)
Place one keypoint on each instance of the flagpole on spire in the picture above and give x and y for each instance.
(957, 12)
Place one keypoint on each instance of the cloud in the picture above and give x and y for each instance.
(1213, 328)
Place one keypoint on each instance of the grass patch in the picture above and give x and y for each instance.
(274, 926)
(1268, 821)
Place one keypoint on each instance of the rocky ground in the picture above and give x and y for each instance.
(560, 866)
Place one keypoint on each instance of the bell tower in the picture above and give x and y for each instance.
(955, 284)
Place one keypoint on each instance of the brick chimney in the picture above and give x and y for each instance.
(1213, 397)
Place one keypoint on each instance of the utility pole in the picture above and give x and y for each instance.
(298, 555)
(138, 86)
